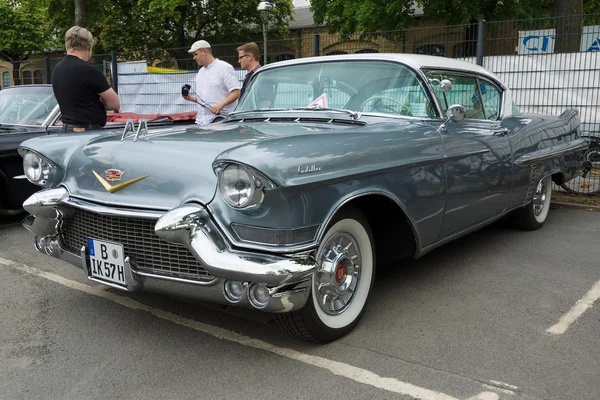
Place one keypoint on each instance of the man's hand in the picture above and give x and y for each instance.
(190, 97)
(216, 109)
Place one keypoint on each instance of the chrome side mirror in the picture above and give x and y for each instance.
(456, 113)
(444, 84)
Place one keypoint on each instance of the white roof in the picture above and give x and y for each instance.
(416, 61)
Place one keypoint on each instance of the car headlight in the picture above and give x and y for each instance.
(240, 186)
(37, 168)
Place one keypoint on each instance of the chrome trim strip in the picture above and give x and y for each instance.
(118, 205)
(174, 279)
(118, 212)
(468, 154)
(553, 152)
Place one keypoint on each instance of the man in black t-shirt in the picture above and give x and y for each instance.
(81, 89)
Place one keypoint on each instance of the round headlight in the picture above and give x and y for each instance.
(237, 186)
(33, 167)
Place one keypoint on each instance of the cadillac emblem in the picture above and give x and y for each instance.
(113, 174)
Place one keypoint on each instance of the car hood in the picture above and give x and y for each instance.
(165, 168)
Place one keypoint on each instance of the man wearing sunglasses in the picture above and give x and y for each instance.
(249, 59)
(217, 86)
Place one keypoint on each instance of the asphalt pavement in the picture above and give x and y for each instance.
(499, 314)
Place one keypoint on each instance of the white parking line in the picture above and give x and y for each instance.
(576, 311)
(338, 368)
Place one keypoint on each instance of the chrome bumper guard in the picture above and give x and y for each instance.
(287, 278)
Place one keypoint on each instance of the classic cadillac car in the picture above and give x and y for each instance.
(328, 167)
(30, 111)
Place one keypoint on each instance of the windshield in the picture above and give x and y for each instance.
(377, 87)
(26, 105)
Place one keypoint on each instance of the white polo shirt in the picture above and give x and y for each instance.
(213, 84)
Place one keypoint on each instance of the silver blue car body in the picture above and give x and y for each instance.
(327, 167)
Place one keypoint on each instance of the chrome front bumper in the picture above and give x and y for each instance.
(288, 278)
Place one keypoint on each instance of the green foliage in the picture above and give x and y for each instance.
(351, 16)
(127, 25)
(22, 29)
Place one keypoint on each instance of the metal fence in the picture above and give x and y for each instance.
(550, 64)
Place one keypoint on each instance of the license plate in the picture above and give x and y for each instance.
(106, 261)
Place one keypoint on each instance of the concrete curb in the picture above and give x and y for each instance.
(572, 206)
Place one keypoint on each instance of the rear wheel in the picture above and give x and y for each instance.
(533, 215)
(341, 286)
(589, 185)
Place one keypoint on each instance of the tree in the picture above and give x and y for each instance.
(22, 31)
(569, 26)
(349, 16)
(127, 25)
(79, 12)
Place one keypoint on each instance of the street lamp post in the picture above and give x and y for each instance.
(265, 8)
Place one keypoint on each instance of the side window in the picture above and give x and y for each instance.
(480, 98)
(491, 100)
(465, 91)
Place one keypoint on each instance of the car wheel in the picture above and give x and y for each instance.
(341, 287)
(533, 216)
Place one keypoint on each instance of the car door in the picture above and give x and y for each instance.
(478, 154)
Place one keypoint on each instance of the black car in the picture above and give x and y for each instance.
(31, 110)
(25, 112)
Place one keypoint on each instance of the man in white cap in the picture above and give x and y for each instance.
(217, 86)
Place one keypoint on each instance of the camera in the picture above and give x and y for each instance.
(185, 90)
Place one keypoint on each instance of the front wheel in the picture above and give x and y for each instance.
(533, 215)
(341, 286)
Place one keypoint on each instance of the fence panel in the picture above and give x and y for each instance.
(550, 64)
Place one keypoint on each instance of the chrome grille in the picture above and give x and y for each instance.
(280, 237)
(148, 252)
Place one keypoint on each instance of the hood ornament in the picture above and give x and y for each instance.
(110, 188)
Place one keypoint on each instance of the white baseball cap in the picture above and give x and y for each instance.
(200, 44)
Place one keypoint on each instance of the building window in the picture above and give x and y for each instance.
(366, 51)
(5, 79)
(333, 53)
(27, 78)
(37, 76)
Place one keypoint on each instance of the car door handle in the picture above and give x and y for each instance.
(501, 132)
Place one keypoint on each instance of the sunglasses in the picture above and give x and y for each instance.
(245, 55)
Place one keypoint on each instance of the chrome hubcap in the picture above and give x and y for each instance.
(338, 276)
(539, 198)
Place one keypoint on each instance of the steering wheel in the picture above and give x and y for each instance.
(403, 109)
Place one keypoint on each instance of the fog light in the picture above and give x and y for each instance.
(234, 290)
(259, 295)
